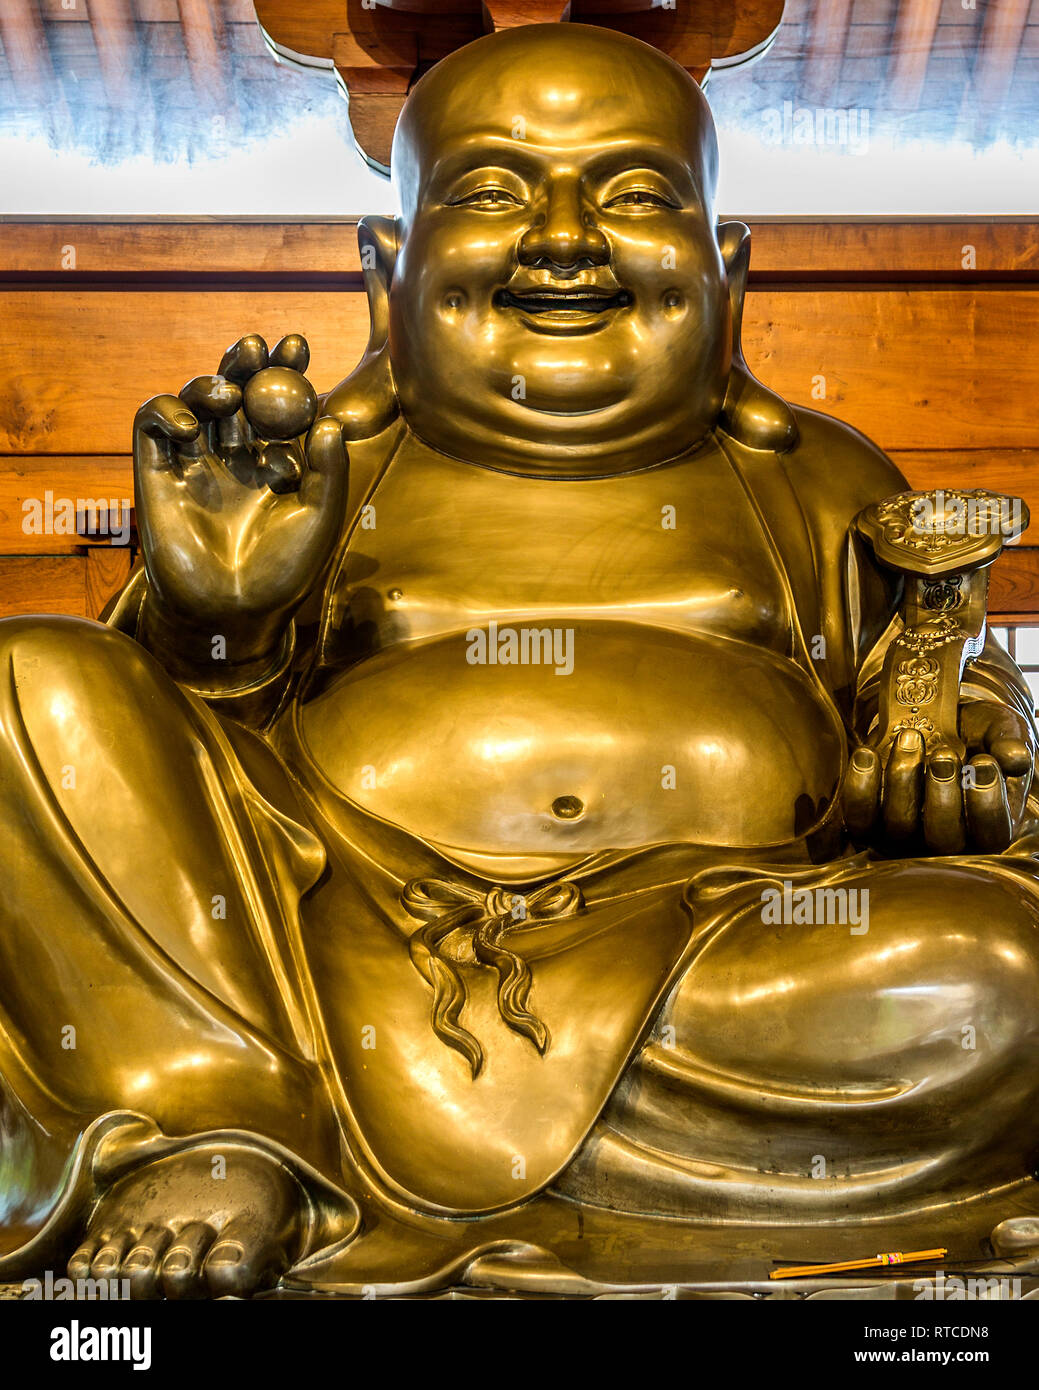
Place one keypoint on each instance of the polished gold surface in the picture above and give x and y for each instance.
(481, 849)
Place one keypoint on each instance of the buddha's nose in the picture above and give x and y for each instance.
(564, 232)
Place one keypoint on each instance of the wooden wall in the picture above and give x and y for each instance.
(900, 328)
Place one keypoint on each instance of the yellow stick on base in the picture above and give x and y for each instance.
(896, 1257)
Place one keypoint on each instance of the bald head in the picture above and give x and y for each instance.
(557, 283)
(555, 86)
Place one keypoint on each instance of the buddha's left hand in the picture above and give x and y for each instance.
(949, 805)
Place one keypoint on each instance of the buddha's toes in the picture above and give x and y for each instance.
(201, 1223)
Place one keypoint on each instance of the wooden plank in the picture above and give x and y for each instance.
(913, 369)
(1015, 584)
(853, 248)
(1013, 471)
(108, 569)
(921, 369)
(81, 585)
(79, 480)
(77, 364)
(875, 247)
(43, 584)
(180, 248)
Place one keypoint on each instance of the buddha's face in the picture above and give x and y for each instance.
(559, 303)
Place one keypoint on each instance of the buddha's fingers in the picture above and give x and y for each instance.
(992, 728)
(861, 793)
(240, 362)
(904, 786)
(165, 420)
(293, 351)
(211, 397)
(164, 429)
(945, 829)
(324, 482)
(988, 811)
(244, 1258)
(180, 1274)
(244, 359)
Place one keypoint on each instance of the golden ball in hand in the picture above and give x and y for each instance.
(279, 403)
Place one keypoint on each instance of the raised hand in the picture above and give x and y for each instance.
(240, 495)
(938, 803)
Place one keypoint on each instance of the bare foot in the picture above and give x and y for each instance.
(175, 1228)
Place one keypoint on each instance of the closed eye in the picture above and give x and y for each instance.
(639, 197)
(493, 198)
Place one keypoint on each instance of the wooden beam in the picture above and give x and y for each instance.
(1004, 28)
(850, 250)
(110, 478)
(43, 584)
(108, 569)
(821, 70)
(1014, 587)
(78, 586)
(26, 49)
(1013, 471)
(915, 368)
(115, 38)
(860, 248)
(915, 28)
(87, 358)
(208, 58)
(34, 487)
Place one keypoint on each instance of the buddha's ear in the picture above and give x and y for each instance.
(366, 402)
(752, 414)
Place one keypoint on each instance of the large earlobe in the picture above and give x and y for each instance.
(751, 414)
(366, 402)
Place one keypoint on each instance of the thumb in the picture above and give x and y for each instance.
(324, 483)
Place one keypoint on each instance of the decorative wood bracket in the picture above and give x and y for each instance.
(379, 48)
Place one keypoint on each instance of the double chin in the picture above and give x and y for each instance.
(585, 440)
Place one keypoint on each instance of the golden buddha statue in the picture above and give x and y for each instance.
(541, 819)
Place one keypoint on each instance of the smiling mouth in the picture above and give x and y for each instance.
(579, 305)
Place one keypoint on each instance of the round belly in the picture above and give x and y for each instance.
(614, 737)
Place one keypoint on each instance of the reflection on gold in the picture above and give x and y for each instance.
(426, 943)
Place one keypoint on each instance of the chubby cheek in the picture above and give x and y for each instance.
(449, 270)
(676, 277)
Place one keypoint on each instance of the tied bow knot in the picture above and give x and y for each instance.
(485, 919)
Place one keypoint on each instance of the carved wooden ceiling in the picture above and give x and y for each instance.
(170, 80)
(379, 49)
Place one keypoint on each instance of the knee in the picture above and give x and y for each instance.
(942, 981)
(948, 973)
(68, 683)
(68, 657)
(969, 937)
(53, 643)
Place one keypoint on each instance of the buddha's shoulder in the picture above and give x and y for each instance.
(834, 468)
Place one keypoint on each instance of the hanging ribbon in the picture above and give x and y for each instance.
(485, 919)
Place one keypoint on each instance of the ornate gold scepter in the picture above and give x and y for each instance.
(943, 543)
